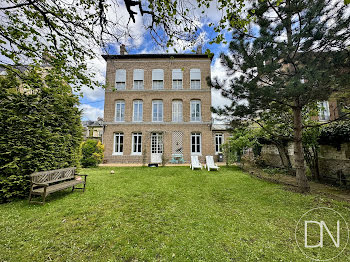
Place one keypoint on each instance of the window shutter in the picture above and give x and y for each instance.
(195, 74)
(157, 74)
(120, 75)
(138, 74)
(177, 74)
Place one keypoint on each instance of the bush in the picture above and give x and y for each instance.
(92, 151)
(40, 129)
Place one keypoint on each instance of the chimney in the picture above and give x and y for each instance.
(199, 50)
(122, 49)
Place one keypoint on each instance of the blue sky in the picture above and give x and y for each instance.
(92, 101)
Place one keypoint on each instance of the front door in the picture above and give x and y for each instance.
(156, 148)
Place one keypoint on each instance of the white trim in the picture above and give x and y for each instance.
(122, 113)
(117, 153)
(195, 102)
(139, 134)
(139, 102)
(222, 142)
(159, 102)
(200, 144)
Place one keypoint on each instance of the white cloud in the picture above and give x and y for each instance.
(90, 112)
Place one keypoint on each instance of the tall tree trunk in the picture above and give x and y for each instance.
(302, 182)
(284, 155)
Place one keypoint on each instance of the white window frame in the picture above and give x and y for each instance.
(177, 111)
(177, 79)
(120, 79)
(158, 103)
(195, 77)
(119, 144)
(139, 114)
(139, 76)
(121, 117)
(324, 113)
(193, 106)
(157, 78)
(138, 142)
(197, 134)
(218, 147)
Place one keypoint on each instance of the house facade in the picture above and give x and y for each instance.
(157, 108)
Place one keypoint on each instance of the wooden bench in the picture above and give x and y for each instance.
(46, 182)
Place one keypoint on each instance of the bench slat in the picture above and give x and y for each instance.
(57, 187)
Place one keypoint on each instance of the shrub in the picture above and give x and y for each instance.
(92, 152)
(40, 129)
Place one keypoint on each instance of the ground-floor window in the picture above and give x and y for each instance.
(137, 143)
(118, 143)
(219, 140)
(196, 143)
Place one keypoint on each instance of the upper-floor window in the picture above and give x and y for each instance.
(118, 143)
(195, 111)
(120, 79)
(157, 110)
(119, 111)
(157, 79)
(195, 76)
(177, 78)
(138, 78)
(177, 111)
(323, 111)
(137, 143)
(196, 143)
(219, 140)
(138, 111)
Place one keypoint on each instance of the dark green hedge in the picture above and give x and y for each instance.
(39, 130)
(335, 133)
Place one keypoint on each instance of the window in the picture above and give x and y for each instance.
(219, 139)
(196, 143)
(120, 79)
(119, 111)
(138, 78)
(157, 111)
(138, 111)
(323, 112)
(195, 76)
(137, 143)
(177, 79)
(157, 79)
(118, 143)
(195, 111)
(177, 111)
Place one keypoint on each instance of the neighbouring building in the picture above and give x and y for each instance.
(158, 108)
(93, 129)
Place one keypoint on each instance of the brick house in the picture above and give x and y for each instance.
(157, 107)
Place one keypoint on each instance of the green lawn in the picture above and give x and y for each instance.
(161, 214)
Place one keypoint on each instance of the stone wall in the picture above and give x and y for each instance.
(331, 159)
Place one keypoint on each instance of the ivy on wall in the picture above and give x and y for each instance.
(40, 129)
(335, 133)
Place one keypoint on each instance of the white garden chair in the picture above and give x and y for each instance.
(195, 163)
(210, 163)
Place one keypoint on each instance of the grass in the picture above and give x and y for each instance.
(161, 214)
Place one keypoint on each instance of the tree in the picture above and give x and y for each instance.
(92, 153)
(293, 55)
(67, 34)
(40, 129)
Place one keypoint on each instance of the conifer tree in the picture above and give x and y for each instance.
(294, 54)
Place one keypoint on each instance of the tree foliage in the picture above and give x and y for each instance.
(68, 34)
(295, 54)
(40, 129)
(92, 153)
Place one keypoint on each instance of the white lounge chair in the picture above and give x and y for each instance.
(195, 163)
(210, 163)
